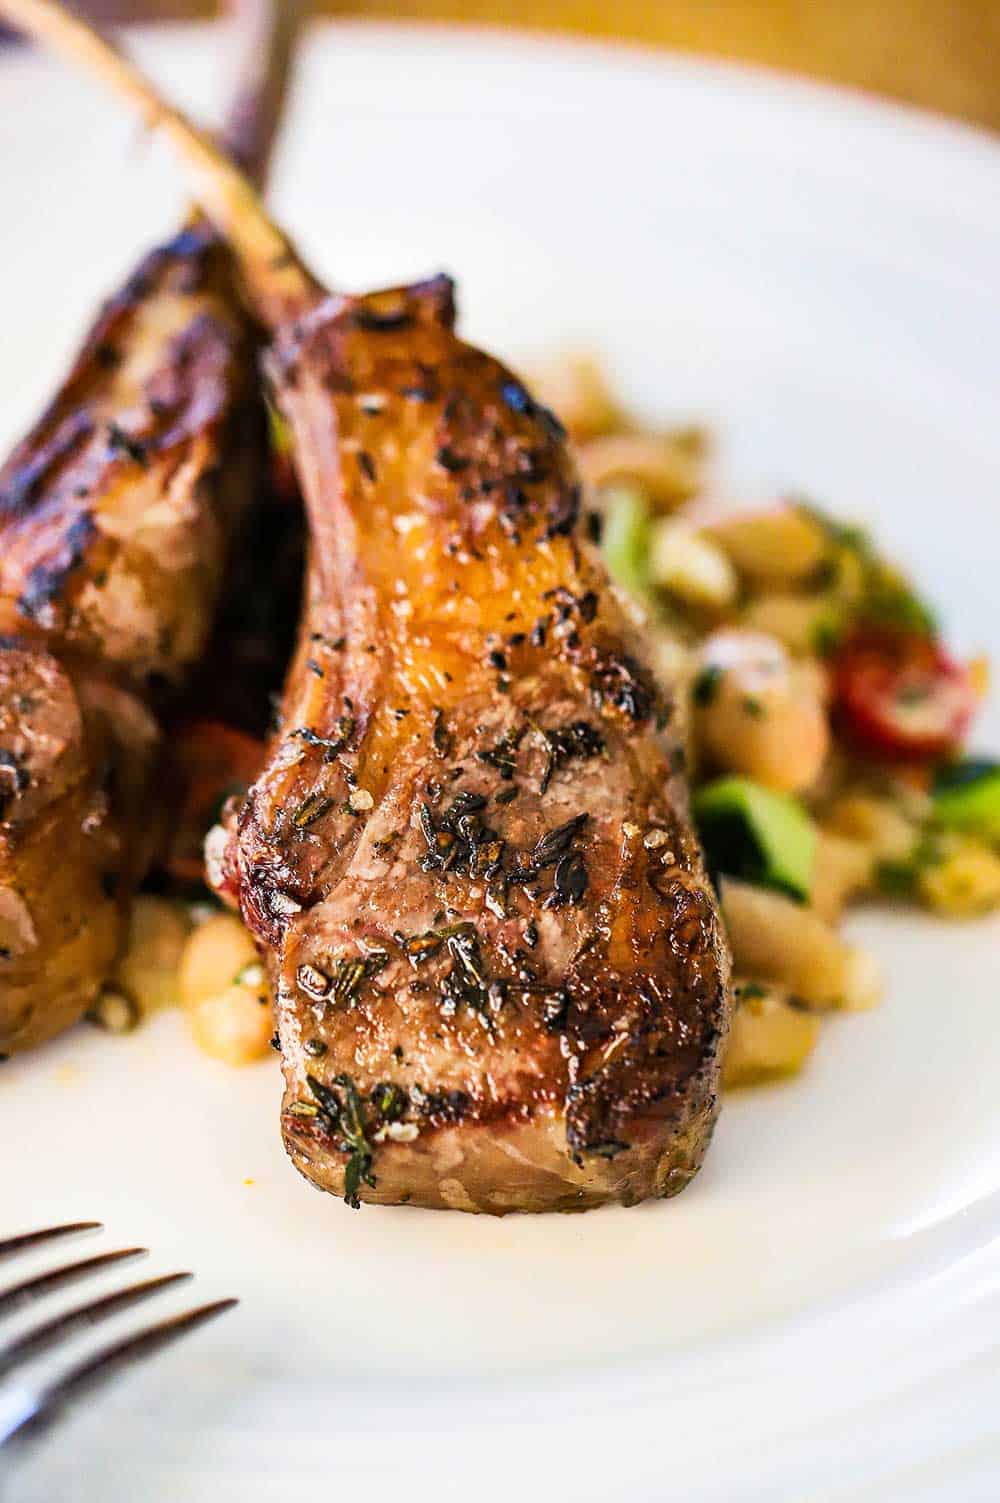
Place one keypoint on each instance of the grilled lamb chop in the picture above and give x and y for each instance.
(498, 967)
(116, 516)
(496, 960)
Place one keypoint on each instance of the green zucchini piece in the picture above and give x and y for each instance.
(625, 539)
(966, 796)
(752, 832)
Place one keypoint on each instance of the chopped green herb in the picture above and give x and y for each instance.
(345, 1117)
(887, 599)
(577, 741)
(706, 685)
(897, 879)
(281, 440)
(351, 971)
(842, 534)
(556, 842)
(312, 808)
(389, 1100)
(825, 637)
(333, 745)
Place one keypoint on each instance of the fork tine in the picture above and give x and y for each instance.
(43, 1283)
(40, 1338)
(106, 1363)
(13, 1245)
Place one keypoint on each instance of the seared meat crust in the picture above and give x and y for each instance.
(115, 516)
(500, 978)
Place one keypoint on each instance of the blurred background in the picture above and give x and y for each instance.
(937, 53)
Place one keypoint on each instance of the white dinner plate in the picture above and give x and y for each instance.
(818, 1316)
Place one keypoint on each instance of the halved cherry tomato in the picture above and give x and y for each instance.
(209, 761)
(899, 697)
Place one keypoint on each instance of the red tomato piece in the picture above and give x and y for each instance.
(209, 761)
(901, 698)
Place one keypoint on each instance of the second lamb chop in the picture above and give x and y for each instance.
(117, 515)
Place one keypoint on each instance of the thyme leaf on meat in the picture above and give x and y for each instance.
(440, 735)
(458, 840)
(389, 1100)
(503, 755)
(345, 1118)
(555, 843)
(312, 808)
(578, 740)
(332, 745)
(351, 972)
(467, 980)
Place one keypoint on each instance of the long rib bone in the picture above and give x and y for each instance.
(274, 274)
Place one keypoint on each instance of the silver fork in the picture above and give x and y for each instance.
(26, 1411)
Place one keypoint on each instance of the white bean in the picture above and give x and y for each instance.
(216, 953)
(779, 546)
(770, 1036)
(234, 1026)
(758, 713)
(147, 970)
(775, 938)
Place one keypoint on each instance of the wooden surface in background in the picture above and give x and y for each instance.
(942, 54)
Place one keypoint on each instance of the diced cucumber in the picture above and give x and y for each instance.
(752, 832)
(967, 797)
(625, 539)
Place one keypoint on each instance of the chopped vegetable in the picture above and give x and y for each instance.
(878, 822)
(625, 540)
(211, 762)
(217, 955)
(843, 868)
(691, 567)
(765, 716)
(147, 968)
(223, 990)
(662, 466)
(804, 624)
(771, 1036)
(752, 832)
(235, 1026)
(966, 796)
(964, 882)
(114, 1011)
(900, 697)
(778, 547)
(780, 940)
(882, 596)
